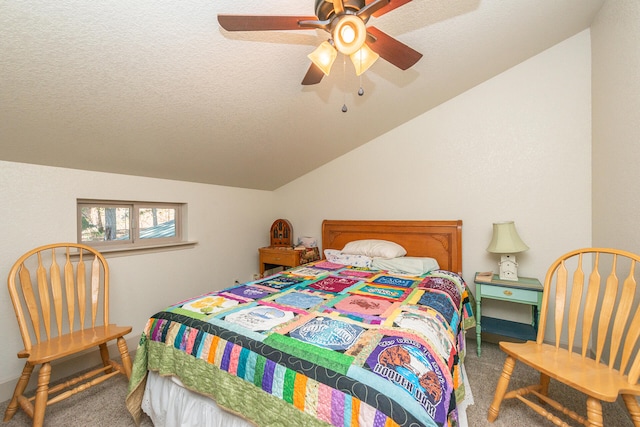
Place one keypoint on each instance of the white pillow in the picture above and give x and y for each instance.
(337, 257)
(374, 248)
(415, 266)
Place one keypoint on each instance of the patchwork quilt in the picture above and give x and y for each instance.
(321, 344)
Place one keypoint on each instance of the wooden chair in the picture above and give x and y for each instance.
(606, 316)
(80, 287)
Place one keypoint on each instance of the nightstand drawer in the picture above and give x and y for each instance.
(288, 258)
(510, 294)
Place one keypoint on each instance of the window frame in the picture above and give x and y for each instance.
(135, 241)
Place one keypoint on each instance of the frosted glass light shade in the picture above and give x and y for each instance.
(323, 57)
(363, 59)
(505, 239)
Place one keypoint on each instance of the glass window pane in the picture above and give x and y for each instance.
(101, 223)
(156, 223)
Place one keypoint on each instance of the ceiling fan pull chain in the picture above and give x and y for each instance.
(361, 90)
(344, 80)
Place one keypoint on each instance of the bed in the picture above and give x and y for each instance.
(333, 342)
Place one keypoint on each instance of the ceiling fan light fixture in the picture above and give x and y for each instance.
(363, 59)
(349, 34)
(324, 56)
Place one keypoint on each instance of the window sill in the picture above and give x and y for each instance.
(139, 250)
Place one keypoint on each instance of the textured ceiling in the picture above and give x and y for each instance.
(157, 88)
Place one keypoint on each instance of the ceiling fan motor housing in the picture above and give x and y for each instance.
(324, 8)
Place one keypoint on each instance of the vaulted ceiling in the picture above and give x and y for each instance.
(156, 88)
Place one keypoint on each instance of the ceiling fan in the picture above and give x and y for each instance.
(345, 21)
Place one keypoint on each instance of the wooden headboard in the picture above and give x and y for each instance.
(441, 240)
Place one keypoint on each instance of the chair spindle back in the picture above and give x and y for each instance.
(610, 315)
(81, 287)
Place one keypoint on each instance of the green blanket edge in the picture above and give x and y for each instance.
(229, 392)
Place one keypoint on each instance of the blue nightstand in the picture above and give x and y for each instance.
(525, 290)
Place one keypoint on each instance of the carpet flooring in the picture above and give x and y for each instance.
(483, 375)
(103, 405)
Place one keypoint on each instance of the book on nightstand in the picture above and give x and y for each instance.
(484, 276)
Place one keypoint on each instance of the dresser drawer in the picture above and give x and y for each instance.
(510, 294)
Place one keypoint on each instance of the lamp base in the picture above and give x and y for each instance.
(508, 268)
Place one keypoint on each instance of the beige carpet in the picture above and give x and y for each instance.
(483, 374)
(103, 405)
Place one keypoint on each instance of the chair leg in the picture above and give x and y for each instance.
(594, 412)
(124, 354)
(19, 390)
(544, 386)
(501, 388)
(42, 395)
(104, 354)
(634, 409)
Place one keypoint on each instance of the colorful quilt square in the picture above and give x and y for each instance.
(360, 274)
(300, 300)
(333, 284)
(209, 304)
(430, 325)
(248, 292)
(444, 285)
(280, 282)
(259, 318)
(442, 304)
(388, 292)
(394, 281)
(328, 333)
(411, 366)
(309, 272)
(362, 304)
(326, 265)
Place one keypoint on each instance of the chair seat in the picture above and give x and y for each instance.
(67, 344)
(588, 376)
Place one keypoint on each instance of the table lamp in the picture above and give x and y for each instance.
(505, 241)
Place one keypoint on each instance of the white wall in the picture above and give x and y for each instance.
(516, 147)
(39, 206)
(616, 125)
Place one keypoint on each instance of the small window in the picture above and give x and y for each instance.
(121, 224)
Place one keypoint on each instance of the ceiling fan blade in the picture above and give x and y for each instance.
(391, 50)
(314, 75)
(263, 23)
(338, 7)
(321, 25)
(371, 8)
(393, 4)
